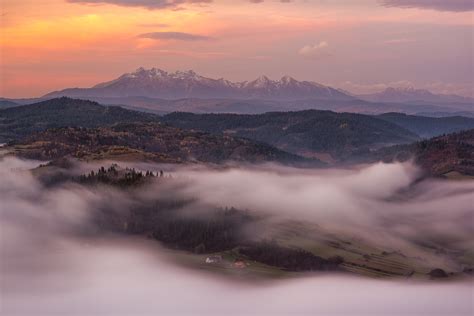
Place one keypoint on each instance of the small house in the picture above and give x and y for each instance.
(214, 259)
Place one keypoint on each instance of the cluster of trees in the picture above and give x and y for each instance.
(216, 231)
(124, 178)
(448, 152)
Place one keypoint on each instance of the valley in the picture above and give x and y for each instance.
(167, 204)
(72, 136)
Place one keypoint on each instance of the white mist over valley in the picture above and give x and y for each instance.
(54, 259)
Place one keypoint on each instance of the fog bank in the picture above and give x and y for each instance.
(126, 278)
(52, 264)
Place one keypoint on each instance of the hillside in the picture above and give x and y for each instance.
(310, 133)
(4, 104)
(21, 121)
(448, 155)
(145, 142)
(307, 133)
(427, 127)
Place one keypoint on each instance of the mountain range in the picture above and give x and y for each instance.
(412, 95)
(157, 91)
(157, 83)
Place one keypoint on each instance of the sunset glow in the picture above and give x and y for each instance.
(59, 43)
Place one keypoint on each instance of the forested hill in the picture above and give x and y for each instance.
(154, 142)
(21, 121)
(304, 132)
(449, 155)
(315, 134)
(4, 104)
(427, 127)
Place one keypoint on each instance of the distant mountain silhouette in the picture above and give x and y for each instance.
(156, 83)
(412, 95)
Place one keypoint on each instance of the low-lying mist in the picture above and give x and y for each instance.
(382, 203)
(54, 261)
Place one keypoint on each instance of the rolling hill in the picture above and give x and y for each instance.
(21, 121)
(4, 104)
(324, 135)
(427, 127)
(309, 133)
(449, 155)
(145, 142)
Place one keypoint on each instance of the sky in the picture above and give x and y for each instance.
(362, 46)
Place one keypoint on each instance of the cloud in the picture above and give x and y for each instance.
(124, 278)
(148, 4)
(439, 5)
(399, 41)
(179, 36)
(315, 51)
(362, 202)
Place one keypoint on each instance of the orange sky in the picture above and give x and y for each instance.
(48, 45)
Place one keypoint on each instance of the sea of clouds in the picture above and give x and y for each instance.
(50, 263)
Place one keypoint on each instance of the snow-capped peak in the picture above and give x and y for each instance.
(189, 74)
(260, 82)
(287, 79)
(147, 73)
(155, 82)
